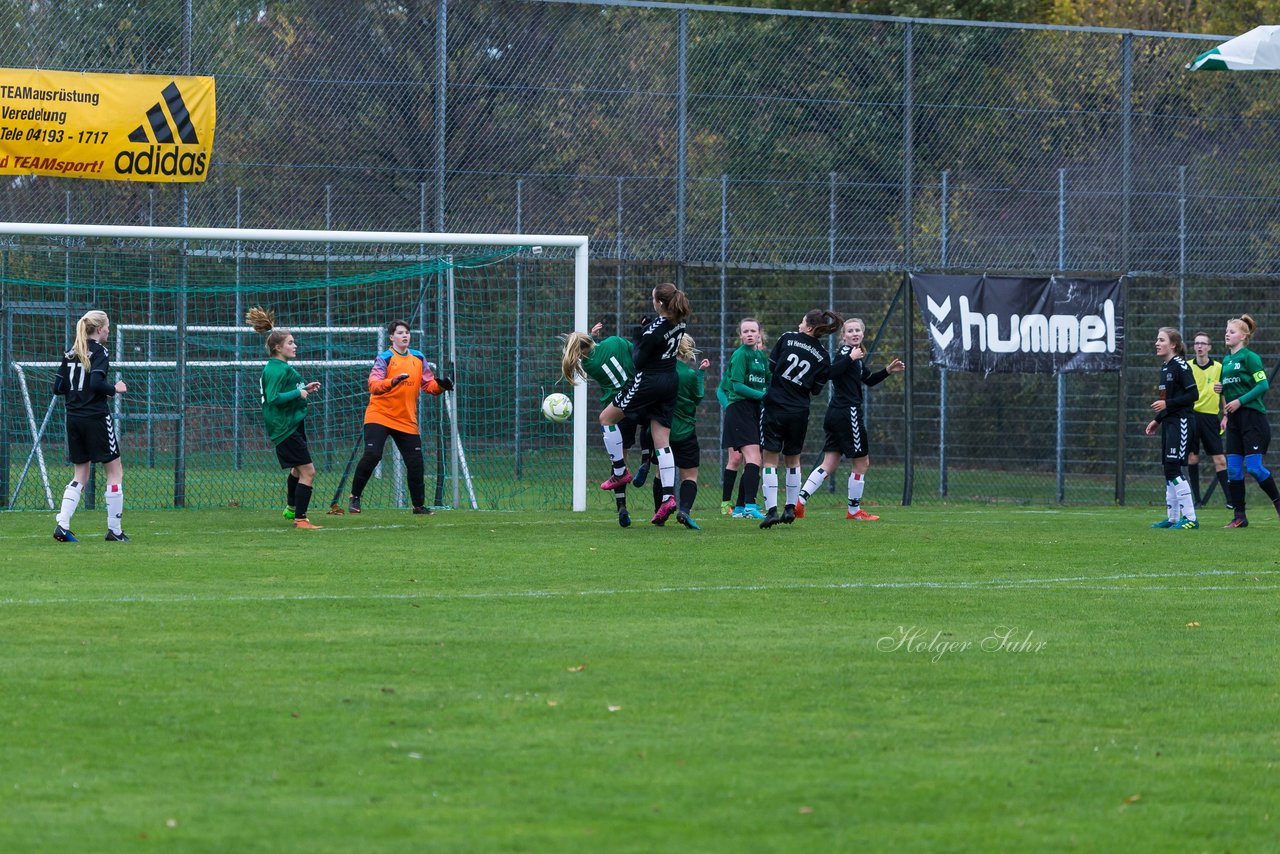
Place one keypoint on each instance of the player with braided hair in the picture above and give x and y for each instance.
(284, 406)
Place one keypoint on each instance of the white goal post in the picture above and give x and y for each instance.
(577, 243)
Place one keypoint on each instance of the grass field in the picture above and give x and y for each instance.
(963, 678)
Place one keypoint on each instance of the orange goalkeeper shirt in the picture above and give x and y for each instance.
(396, 406)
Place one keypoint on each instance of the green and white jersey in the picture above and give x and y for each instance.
(283, 406)
(693, 386)
(610, 365)
(748, 375)
(1242, 371)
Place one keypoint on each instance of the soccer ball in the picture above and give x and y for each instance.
(557, 407)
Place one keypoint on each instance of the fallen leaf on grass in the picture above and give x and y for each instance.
(552, 703)
(173, 822)
(1193, 625)
(806, 810)
(577, 668)
(1133, 799)
(615, 708)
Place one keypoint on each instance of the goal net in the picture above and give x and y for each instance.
(485, 310)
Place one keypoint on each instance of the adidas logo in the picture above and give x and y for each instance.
(167, 124)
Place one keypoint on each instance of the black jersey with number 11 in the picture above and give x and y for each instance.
(800, 366)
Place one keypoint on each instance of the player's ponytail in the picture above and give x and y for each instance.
(674, 302)
(87, 325)
(577, 346)
(687, 349)
(1250, 326)
(823, 321)
(263, 322)
(1175, 340)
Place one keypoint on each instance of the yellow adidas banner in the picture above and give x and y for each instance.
(109, 127)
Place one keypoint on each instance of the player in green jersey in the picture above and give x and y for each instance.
(684, 435)
(284, 406)
(1247, 432)
(608, 362)
(742, 387)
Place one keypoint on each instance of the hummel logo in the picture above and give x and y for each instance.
(159, 122)
(939, 312)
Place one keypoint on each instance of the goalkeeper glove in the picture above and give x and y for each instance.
(399, 379)
(445, 383)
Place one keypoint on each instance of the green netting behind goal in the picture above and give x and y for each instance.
(190, 424)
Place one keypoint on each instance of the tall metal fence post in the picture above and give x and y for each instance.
(618, 252)
(1126, 190)
(945, 261)
(1182, 250)
(724, 295)
(238, 318)
(517, 403)
(682, 136)
(908, 230)
(1060, 463)
(6, 357)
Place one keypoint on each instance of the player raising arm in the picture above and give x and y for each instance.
(800, 366)
(398, 376)
(83, 379)
(284, 406)
(845, 431)
(1173, 410)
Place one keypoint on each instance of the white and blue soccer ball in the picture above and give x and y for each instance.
(557, 407)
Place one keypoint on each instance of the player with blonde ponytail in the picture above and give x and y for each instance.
(284, 406)
(82, 379)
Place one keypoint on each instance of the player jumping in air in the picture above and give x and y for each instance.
(1174, 410)
(398, 376)
(284, 406)
(82, 379)
(651, 394)
(846, 432)
(800, 365)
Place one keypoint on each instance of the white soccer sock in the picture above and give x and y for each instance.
(1170, 501)
(70, 501)
(769, 486)
(856, 484)
(814, 481)
(1186, 504)
(793, 486)
(613, 447)
(667, 471)
(115, 507)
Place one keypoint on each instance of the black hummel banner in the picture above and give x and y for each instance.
(1008, 325)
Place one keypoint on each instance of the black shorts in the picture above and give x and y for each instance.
(1247, 432)
(1206, 433)
(375, 441)
(293, 451)
(649, 397)
(741, 424)
(685, 452)
(845, 433)
(783, 432)
(1175, 438)
(92, 439)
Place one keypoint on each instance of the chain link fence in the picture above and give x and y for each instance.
(769, 162)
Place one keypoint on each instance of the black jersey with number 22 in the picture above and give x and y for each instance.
(800, 366)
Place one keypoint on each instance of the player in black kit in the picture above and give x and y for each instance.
(650, 395)
(91, 435)
(1174, 410)
(846, 434)
(799, 366)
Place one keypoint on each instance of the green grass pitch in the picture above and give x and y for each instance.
(961, 678)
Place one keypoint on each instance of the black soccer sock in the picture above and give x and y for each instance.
(1236, 490)
(727, 479)
(657, 493)
(291, 491)
(750, 484)
(1193, 477)
(1268, 485)
(304, 500)
(620, 497)
(688, 494)
(415, 471)
(1222, 484)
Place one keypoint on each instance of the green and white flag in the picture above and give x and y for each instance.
(1256, 50)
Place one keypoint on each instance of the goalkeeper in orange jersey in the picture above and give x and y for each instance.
(398, 375)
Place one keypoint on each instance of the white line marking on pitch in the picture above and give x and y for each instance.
(1081, 582)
